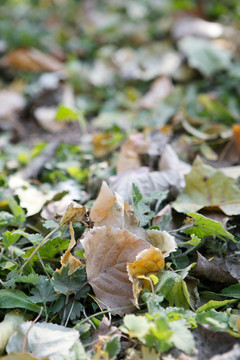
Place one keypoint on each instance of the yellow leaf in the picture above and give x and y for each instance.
(20, 356)
(148, 262)
(101, 355)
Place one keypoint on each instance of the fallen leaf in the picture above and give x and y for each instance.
(9, 325)
(44, 340)
(20, 356)
(107, 252)
(192, 26)
(162, 240)
(204, 55)
(73, 213)
(31, 60)
(110, 210)
(54, 209)
(212, 271)
(159, 90)
(128, 158)
(146, 181)
(102, 144)
(148, 262)
(11, 103)
(67, 257)
(208, 187)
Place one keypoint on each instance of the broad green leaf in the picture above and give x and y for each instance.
(160, 334)
(214, 304)
(204, 55)
(182, 338)
(174, 288)
(16, 210)
(232, 291)
(49, 249)
(33, 238)
(135, 326)
(113, 347)
(65, 284)
(64, 113)
(6, 219)
(217, 320)
(43, 292)
(204, 226)
(13, 298)
(206, 186)
(10, 238)
(142, 211)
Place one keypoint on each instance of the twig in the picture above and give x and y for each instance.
(30, 327)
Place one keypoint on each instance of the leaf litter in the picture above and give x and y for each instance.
(125, 126)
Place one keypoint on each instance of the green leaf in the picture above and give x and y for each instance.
(65, 114)
(74, 282)
(10, 298)
(16, 210)
(43, 291)
(49, 249)
(232, 291)
(204, 226)
(204, 56)
(182, 338)
(33, 238)
(214, 304)
(217, 320)
(207, 186)
(135, 326)
(174, 288)
(195, 240)
(112, 347)
(160, 334)
(6, 219)
(10, 238)
(142, 211)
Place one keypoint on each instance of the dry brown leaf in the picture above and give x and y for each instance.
(162, 240)
(107, 252)
(102, 144)
(128, 159)
(148, 262)
(67, 257)
(110, 210)
(31, 60)
(76, 212)
(160, 89)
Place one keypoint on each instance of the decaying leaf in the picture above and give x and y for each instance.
(67, 257)
(148, 262)
(162, 240)
(213, 271)
(128, 159)
(109, 209)
(44, 340)
(9, 325)
(76, 212)
(31, 60)
(107, 252)
(208, 187)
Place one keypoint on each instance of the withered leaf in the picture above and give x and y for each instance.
(162, 240)
(75, 212)
(107, 252)
(31, 60)
(212, 271)
(148, 262)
